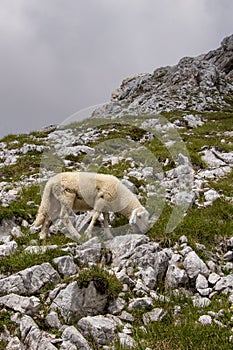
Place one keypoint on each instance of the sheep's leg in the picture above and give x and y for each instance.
(66, 221)
(45, 227)
(88, 231)
(67, 199)
(107, 232)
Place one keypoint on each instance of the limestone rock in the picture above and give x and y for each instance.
(74, 302)
(140, 303)
(15, 344)
(25, 305)
(89, 252)
(205, 320)
(116, 306)
(201, 282)
(224, 283)
(8, 248)
(66, 266)
(72, 335)
(213, 278)
(126, 341)
(101, 328)
(194, 265)
(32, 337)
(155, 315)
(53, 321)
(176, 277)
(122, 247)
(30, 280)
(201, 301)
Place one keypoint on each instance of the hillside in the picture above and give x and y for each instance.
(169, 136)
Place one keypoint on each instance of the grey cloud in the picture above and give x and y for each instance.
(60, 56)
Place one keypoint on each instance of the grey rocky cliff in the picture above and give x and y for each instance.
(196, 83)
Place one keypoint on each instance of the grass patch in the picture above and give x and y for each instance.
(104, 282)
(20, 208)
(205, 225)
(22, 260)
(182, 331)
(5, 321)
(200, 225)
(25, 166)
(16, 141)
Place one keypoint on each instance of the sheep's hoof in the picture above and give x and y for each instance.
(42, 235)
(107, 234)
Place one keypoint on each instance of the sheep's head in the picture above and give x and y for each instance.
(140, 219)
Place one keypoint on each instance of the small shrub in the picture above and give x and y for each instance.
(104, 282)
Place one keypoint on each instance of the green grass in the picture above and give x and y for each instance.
(25, 166)
(16, 141)
(21, 260)
(104, 282)
(201, 225)
(20, 208)
(182, 331)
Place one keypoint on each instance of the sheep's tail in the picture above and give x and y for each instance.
(43, 208)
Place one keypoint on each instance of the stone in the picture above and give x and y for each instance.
(211, 265)
(183, 239)
(205, 292)
(230, 243)
(126, 341)
(32, 337)
(72, 335)
(74, 302)
(201, 282)
(122, 247)
(155, 315)
(101, 328)
(53, 321)
(15, 344)
(175, 277)
(193, 121)
(89, 252)
(205, 320)
(25, 305)
(30, 280)
(140, 303)
(116, 306)
(16, 232)
(35, 249)
(124, 278)
(67, 345)
(213, 278)
(126, 316)
(201, 301)
(8, 248)
(211, 196)
(66, 266)
(228, 256)
(149, 277)
(224, 283)
(194, 265)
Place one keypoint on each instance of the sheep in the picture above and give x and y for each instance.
(84, 191)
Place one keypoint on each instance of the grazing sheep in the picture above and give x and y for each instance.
(83, 191)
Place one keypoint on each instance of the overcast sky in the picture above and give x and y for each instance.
(60, 56)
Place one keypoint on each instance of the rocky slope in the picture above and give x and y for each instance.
(170, 289)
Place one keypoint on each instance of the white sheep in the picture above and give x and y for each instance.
(83, 191)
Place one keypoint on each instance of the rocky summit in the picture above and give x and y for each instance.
(168, 136)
